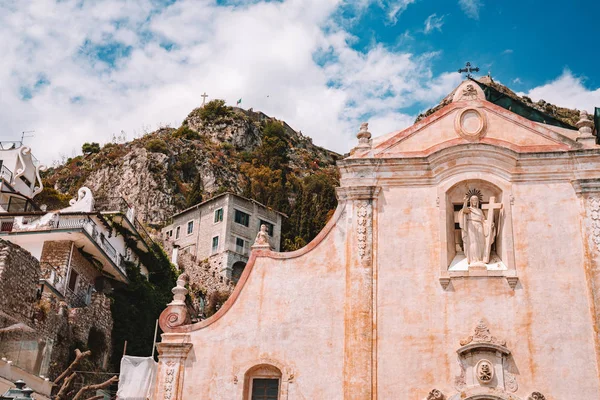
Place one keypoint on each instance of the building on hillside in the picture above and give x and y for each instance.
(56, 268)
(461, 264)
(222, 229)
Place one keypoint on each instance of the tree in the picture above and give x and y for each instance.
(90, 148)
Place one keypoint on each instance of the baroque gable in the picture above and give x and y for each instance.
(470, 119)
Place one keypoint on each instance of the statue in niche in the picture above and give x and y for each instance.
(478, 231)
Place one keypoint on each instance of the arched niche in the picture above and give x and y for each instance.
(236, 271)
(451, 196)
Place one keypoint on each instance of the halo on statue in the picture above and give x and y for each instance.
(475, 192)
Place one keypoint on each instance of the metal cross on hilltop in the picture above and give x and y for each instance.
(204, 96)
(468, 69)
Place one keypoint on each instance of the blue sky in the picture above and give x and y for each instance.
(77, 71)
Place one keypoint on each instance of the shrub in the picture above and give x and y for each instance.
(90, 148)
(214, 110)
(157, 146)
(186, 133)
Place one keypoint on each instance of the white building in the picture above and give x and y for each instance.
(78, 247)
(223, 229)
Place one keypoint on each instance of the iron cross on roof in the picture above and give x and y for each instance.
(468, 69)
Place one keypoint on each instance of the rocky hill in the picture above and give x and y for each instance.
(216, 149)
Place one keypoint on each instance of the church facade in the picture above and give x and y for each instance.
(462, 262)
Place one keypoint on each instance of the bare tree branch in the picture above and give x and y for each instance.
(79, 395)
(78, 356)
(64, 389)
(99, 397)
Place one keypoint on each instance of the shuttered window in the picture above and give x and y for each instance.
(265, 389)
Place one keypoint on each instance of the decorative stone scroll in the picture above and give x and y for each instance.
(84, 201)
(482, 335)
(594, 214)
(176, 312)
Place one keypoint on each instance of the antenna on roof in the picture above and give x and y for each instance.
(23, 135)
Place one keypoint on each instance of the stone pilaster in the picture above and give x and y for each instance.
(359, 344)
(173, 352)
(589, 192)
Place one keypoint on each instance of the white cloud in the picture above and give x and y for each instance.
(568, 91)
(517, 81)
(397, 7)
(507, 51)
(433, 22)
(471, 7)
(60, 78)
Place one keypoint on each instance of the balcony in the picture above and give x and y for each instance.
(61, 223)
(6, 174)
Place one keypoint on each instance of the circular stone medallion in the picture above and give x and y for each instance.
(470, 123)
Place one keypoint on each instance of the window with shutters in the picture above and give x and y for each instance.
(242, 218)
(218, 215)
(215, 244)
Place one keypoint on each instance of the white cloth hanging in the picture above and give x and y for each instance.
(136, 380)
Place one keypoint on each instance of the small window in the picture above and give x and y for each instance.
(269, 225)
(170, 233)
(215, 244)
(177, 232)
(240, 245)
(218, 215)
(265, 389)
(73, 280)
(190, 227)
(242, 218)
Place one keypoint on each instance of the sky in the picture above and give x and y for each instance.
(76, 71)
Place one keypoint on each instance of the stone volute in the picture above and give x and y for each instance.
(176, 312)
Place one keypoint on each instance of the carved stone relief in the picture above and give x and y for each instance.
(594, 214)
(484, 371)
(537, 396)
(363, 227)
(435, 395)
(470, 124)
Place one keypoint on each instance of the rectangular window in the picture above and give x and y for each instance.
(265, 389)
(177, 232)
(242, 218)
(240, 245)
(170, 233)
(215, 244)
(73, 280)
(269, 225)
(218, 215)
(190, 227)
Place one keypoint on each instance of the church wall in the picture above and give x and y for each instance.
(545, 321)
(289, 314)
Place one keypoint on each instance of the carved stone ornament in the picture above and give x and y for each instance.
(484, 371)
(469, 92)
(482, 335)
(435, 395)
(364, 137)
(84, 201)
(594, 214)
(510, 382)
(537, 396)
(363, 227)
(176, 312)
(470, 124)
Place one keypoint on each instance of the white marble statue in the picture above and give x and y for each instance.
(477, 231)
(262, 237)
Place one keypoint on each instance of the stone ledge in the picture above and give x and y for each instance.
(510, 276)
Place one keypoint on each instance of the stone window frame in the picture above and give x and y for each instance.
(188, 227)
(510, 274)
(177, 232)
(246, 246)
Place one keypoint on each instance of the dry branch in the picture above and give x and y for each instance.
(102, 385)
(64, 389)
(78, 356)
(99, 397)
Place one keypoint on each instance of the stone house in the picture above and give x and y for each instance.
(222, 229)
(461, 264)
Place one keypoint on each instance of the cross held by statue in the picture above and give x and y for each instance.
(468, 69)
